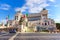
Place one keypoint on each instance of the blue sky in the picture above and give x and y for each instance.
(10, 7)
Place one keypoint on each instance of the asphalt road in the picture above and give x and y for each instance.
(37, 36)
(30, 36)
(6, 36)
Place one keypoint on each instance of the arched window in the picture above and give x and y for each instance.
(42, 23)
(16, 17)
(45, 24)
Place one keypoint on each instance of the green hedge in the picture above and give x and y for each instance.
(45, 31)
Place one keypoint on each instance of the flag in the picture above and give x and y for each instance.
(7, 17)
(26, 14)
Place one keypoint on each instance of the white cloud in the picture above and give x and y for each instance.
(3, 21)
(17, 9)
(52, 0)
(4, 6)
(33, 6)
(20, 9)
(56, 6)
(57, 19)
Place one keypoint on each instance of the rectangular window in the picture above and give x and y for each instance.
(34, 18)
(16, 17)
(48, 23)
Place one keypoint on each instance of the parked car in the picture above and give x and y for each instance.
(12, 31)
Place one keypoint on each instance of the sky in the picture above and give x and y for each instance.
(10, 7)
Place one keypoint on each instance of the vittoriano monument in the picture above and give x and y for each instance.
(33, 20)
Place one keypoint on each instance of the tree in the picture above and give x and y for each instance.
(58, 25)
(5, 24)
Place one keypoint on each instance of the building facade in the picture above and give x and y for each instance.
(35, 20)
(41, 20)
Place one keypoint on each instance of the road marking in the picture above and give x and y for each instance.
(12, 38)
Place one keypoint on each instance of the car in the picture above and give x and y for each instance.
(12, 31)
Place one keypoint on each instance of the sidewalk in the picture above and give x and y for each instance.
(33, 32)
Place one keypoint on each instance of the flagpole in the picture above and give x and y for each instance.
(27, 19)
(7, 19)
